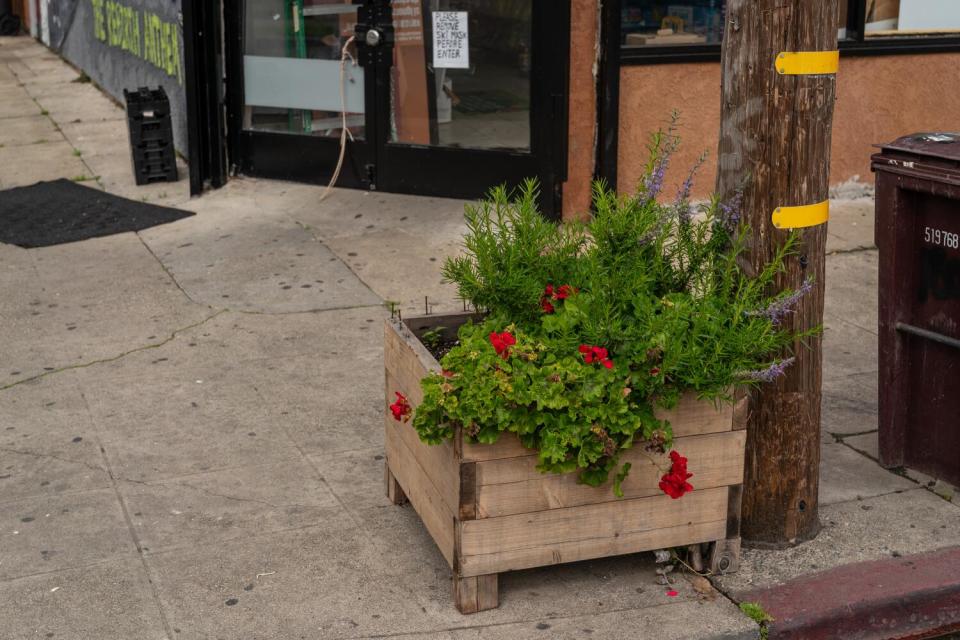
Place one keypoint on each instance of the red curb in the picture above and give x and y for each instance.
(910, 597)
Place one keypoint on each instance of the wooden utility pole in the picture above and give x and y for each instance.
(775, 137)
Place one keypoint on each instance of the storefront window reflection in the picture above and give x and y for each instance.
(292, 71)
(481, 100)
(649, 23)
(886, 18)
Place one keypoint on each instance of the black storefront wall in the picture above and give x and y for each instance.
(125, 44)
(181, 46)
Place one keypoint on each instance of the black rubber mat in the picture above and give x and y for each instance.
(62, 211)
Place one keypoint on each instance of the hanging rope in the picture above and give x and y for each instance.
(344, 131)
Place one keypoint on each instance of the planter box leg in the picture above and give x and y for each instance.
(725, 556)
(477, 593)
(394, 491)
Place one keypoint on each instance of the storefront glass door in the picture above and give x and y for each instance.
(440, 97)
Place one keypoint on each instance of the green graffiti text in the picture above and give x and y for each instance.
(141, 33)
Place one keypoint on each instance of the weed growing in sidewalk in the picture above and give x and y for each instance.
(756, 613)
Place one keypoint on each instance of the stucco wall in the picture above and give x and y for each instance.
(124, 44)
(879, 98)
(582, 106)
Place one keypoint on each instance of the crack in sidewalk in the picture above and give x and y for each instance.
(190, 298)
(319, 240)
(859, 249)
(84, 365)
(37, 454)
(170, 275)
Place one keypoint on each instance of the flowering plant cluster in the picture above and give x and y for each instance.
(591, 326)
(674, 483)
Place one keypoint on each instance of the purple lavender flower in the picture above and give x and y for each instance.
(781, 308)
(772, 372)
(730, 211)
(684, 193)
(653, 183)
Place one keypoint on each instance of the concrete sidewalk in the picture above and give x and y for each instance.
(191, 418)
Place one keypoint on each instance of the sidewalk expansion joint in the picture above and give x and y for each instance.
(185, 485)
(37, 454)
(120, 356)
(495, 625)
(840, 436)
(860, 249)
(135, 539)
(319, 240)
(306, 311)
(167, 271)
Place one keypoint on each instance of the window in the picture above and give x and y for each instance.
(646, 23)
(688, 30)
(885, 18)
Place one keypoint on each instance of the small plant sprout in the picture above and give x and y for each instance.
(433, 337)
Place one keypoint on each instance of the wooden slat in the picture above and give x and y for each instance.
(734, 500)
(514, 485)
(516, 560)
(591, 531)
(591, 522)
(741, 409)
(689, 418)
(476, 593)
(407, 360)
(422, 494)
(693, 417)
(468, 491)
(438, 461)
(506, 446)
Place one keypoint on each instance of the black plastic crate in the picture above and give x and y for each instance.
(151, 135)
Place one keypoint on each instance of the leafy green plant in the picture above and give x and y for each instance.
(433, 337)
(756, 613)
(591, 326)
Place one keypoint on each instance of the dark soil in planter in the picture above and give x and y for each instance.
(441, 348)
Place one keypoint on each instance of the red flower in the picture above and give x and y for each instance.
(549, 293)
(502, 342)
(595, 354)
(655, 371)
(401, 408)
(675, 484)
(545, 303)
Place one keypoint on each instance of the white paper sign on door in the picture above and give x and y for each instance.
(451, 42)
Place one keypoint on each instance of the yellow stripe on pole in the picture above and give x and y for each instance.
(805, 63)
(809, 215)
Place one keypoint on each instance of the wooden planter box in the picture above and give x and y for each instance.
(489, 510)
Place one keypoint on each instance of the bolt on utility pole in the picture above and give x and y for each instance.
(779, 86)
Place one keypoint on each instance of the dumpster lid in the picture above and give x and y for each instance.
(943, 145)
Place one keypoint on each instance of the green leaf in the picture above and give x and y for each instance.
(619, 478)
